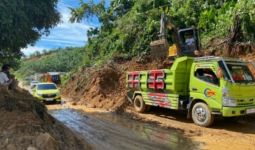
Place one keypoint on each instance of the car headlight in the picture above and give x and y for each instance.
(229, 102)
(58, 94)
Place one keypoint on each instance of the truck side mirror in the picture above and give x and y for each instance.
(219, 73)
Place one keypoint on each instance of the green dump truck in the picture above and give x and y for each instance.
(203, 87)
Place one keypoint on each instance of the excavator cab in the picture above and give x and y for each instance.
(188, 41)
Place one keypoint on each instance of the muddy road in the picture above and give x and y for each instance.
(157, 129)
(115, 132)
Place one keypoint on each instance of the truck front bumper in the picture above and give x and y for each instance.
(237, 111)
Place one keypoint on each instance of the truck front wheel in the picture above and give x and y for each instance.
(139, 104)
(201, 115)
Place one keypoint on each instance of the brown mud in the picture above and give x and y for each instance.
(25, 124)
(223, 135)
(105, 130)
(104, 88)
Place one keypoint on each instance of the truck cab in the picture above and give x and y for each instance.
(225, 85)
(204, 87)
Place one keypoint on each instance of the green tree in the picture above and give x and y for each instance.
(22, 23)
(128, 26)
(58, 60)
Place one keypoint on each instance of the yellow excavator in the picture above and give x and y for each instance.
(186, 41)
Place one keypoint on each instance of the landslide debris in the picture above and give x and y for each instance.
(105, 87)
(25, 125)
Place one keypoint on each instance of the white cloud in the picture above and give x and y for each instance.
(64, 34)
(31, 49)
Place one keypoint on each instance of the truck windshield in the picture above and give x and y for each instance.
(238, 71)
(46, 87)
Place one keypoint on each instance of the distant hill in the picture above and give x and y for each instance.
(57, 60)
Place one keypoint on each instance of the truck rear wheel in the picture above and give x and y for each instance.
(201, 115)
(139, 104)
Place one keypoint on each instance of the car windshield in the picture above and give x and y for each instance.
(46, 87)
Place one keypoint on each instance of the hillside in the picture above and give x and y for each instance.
(56, 60)
(128, 27)
(104, 87)
(96, 75)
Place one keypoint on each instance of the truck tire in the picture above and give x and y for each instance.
(201, 115)
(139, 104)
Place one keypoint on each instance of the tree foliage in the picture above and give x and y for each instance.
(128, 26)
(22, 23)
(58, 60)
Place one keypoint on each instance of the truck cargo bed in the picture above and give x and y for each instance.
(170, 81)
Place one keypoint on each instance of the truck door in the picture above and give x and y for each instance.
(204, 85)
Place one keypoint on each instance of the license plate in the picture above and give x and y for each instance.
(49, 99)
(250, 111)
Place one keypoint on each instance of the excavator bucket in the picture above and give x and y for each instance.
(159, 48)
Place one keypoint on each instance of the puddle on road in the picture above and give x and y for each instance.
(111, 131)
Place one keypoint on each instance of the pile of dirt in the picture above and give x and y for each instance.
(105, 87)
(222, 47)
(25, 125)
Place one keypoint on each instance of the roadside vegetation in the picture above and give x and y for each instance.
(22, 23)
(58, 60)
(128, 27)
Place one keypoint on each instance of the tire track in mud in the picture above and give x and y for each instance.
(108, 131)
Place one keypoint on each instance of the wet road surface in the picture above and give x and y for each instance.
(113, 132)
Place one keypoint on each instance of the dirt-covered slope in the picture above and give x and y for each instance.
(105, 87)
(25, 124)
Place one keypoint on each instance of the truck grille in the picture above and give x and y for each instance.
(245, 102)
(49, 95)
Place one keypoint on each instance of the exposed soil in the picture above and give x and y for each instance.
(25, 124)
(104, 87)
(105, 130)
(223, 135)
(221, 47)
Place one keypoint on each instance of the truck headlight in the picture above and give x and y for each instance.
(229, 102)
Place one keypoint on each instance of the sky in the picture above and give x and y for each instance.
(65, 34)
